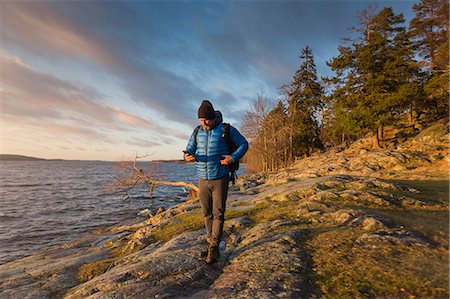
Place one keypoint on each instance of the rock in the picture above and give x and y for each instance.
(265, 230)
(362, 197)
(393, 237)
(324, 196)
(145, 212)
(271, 269)
(371, 223)
(341, 217)
(236, 223)
(168, 270)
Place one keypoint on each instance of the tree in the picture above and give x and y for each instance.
(429, 29)
(252, 127)
(277, 137)
(304, 97)
(374, 74)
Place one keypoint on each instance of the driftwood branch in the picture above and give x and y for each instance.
(130, 178)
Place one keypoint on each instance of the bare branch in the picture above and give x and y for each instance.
(128, 178)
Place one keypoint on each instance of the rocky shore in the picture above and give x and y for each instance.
(352, 223)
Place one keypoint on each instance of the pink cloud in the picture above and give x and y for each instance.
(36, 23)
(68, 111)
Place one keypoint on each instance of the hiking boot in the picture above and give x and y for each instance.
(213, 254)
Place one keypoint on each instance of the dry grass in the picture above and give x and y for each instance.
(275, 211)
(121, 249)
(190, 221)
(391, 271)
(91, 270)
(179, 224)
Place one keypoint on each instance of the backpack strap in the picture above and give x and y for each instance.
(196, 132)
(226, 135)
(235, 165)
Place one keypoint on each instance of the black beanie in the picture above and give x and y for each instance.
(206, 110)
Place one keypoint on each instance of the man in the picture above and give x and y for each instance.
(209, 149)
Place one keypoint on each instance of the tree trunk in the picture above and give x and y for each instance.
(380, 132)
(291, 144)
(375, 140)
(436, 105)
(266, 153)
(410, 114)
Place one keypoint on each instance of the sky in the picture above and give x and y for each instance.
(104, 80)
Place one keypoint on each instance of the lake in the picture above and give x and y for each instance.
(44, 203)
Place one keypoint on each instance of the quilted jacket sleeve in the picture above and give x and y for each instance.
(240, 142)
(191, 146)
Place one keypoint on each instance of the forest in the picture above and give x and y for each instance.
(388, 74)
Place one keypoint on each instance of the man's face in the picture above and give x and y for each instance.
(206, 123)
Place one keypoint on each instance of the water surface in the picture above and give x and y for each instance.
(45, 203)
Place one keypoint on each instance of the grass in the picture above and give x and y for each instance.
(431, 223)
(191, 221)
(345, 271)
(275, 211)
(181, 223)
(387, 271)
(230, 214)
(91, 270)
(431, 191)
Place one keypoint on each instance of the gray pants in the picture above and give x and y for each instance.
(213, 197)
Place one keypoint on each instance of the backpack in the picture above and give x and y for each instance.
(234, 166)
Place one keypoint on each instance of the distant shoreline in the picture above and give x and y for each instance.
(5, 157)
(8, 157)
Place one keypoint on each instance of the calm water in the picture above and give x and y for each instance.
(49, 202)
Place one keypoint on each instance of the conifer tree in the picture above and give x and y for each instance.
(374, 75)
(305, 102)
(429, 29)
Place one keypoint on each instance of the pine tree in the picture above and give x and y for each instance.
(430, 29)
(305, 103)
(374, 75)
(430, 32)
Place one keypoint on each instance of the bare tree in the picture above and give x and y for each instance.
(255, 131)
(129, 176)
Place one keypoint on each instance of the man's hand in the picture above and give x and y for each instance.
(188, 157)
(227, 160)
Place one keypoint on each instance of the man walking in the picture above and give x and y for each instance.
(209, 149)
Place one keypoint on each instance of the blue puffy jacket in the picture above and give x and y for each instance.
(210, 147)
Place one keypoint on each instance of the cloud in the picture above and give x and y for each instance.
(63, 108)
(142, 142)
(90, 32)
(34, 25)
(29, 93)
(136, 121)
(164, 56)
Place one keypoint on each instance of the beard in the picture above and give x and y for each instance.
(210, 125)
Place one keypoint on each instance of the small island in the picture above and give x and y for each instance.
(7, 157)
